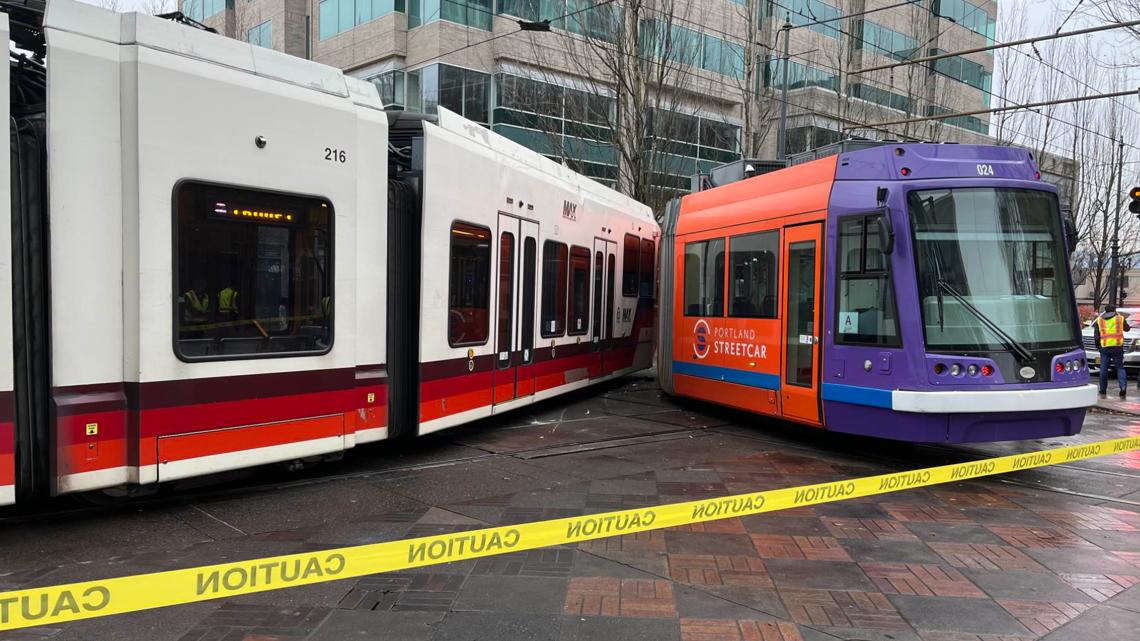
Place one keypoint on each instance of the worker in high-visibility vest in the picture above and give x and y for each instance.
(228, 303)
(1109, 331)
(195, 304)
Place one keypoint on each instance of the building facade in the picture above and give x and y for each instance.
(554, 91)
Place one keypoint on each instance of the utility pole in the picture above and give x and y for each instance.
(1114, 274)
(782, 130)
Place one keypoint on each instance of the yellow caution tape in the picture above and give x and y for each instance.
(74, 601)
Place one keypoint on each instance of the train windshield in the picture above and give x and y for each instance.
(991, 270)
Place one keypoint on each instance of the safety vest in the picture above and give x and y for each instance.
(227, 300)
(198, 306)
(1111, 331)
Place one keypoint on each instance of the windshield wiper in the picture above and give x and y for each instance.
(1023, 355)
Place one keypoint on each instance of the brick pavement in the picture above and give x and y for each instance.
(973, 561)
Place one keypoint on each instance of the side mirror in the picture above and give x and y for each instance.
(886, 233)
(1070, 227)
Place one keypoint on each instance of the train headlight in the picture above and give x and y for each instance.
(972, 370)
(1069, 366)
(955, 369)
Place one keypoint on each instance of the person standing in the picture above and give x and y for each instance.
(1109, 334)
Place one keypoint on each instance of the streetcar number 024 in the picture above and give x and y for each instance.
(335, 155)
(985, 170)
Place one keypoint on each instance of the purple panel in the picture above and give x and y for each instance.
(950, 428)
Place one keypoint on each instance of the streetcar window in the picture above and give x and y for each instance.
(630, 280)
(506, 292)
(530, 249)
(252, 273)
(611, 269)
(866, 311)
(753, 275)
(648, 267)
(579, 292)
(599, 269)
(704, 278)
(554, 266)
(469, 288)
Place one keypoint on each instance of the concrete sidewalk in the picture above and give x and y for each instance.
(1045, 554)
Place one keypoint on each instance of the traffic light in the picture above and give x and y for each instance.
(1134, 206)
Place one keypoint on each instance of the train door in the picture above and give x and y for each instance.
(603, 301)
(517, 251)
(801, 323)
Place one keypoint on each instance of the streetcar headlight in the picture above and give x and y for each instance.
(955, 369)
(1069, 366)
(972, 370)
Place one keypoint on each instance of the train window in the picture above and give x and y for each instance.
(554, 266)
(630, 280)
(530, 249)
(611, 268)
(579, 292)
(469, 289)
(648, 268)
(704, 278)
(252, 273)
(866, 311)
(506, 295)
(599, 269)
(753, 274)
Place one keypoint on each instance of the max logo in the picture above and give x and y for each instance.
(569, 210)
(701, 339)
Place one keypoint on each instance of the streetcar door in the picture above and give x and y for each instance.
(528, 276)
(505, 385)
(600, 317)
(801, 322)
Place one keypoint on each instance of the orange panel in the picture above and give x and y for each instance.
(7, 469)
(743, 397)
(431, 410)
(88, 457)
(188, 446)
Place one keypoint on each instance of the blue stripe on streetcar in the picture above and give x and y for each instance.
(728, 375)
(857, 395)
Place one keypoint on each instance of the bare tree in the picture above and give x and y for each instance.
(756, 102)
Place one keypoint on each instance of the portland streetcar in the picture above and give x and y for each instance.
(918, 292)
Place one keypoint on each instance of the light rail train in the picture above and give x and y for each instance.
(224, 256)
(918, 292)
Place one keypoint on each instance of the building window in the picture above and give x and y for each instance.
(882, 41)
(202, 9)
(968, 15)
(576, 16)
(799, 76)
(472, 13)
(469, 285)
(686, 144)
(688, 47)
(567, 125)
(809, 138)
(464, 91)
(704, 278)
(866, 313)
(253, 273)
(338, 16)
(579, 291)
(882, 97)
(630, 280)
(554, 268)
(965, 71)
(752, 274)
(262, 35)
(973, 123)
(812, 12)
(390, 86)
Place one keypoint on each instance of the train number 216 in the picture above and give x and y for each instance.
(335, 155)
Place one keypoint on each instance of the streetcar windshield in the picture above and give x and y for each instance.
(991, 269)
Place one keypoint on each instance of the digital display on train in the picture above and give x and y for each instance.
(256, 213)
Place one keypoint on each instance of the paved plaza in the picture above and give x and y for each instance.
(1051, 553)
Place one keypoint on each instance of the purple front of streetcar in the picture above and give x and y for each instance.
(950, 316)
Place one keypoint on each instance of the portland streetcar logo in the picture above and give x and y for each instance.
(701, 340)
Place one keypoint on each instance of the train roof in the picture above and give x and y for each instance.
(586, 186)
(169, 36)
(807, 187)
